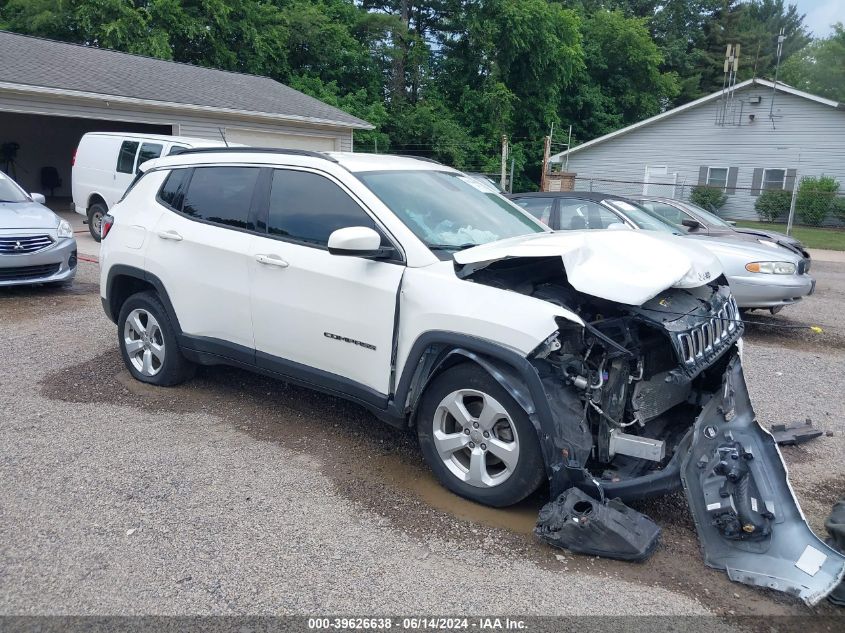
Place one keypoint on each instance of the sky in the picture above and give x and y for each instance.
(821, 14)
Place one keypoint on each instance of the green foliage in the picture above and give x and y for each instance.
(447, 78)
(820, 67)
(710, 198)
(773, 203)
(838, 208)
(815, 198)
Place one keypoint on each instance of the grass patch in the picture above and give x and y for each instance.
(812, 237)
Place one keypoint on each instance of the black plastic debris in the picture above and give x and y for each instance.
(577, 522)
(795, 434)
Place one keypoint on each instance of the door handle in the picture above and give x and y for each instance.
(170, 235)
(271, 260)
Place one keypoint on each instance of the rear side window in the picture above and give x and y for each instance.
(308, 208)
(578, 214)
(222, 195)
(175, 149)
(540, 208)
(148, 152)
(126, 157)
(173, 188)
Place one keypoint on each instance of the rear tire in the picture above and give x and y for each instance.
(148, 342)
(477, 440)
(95, 219)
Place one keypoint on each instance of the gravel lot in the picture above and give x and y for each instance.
(235, 494)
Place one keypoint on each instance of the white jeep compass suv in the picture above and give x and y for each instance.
(607, 360)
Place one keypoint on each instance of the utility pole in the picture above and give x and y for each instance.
(781, 38)
(510, 180)
(504, 160)
(547, 150)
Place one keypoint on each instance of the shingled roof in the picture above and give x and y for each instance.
(39, 63)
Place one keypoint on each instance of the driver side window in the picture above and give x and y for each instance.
(306, 207)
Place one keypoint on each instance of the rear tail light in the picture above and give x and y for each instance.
(73, 158)
(105, 227)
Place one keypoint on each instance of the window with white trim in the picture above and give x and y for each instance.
(774, 179)
(717, 177)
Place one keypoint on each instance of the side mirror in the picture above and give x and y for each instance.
(618, 226)
(731, 222)
(358, 241)
(38, 197)
(691, 224)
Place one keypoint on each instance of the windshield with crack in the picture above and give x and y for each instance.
(449, 211)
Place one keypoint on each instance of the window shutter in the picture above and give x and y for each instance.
(702, 175)
(789, 183)
(732, 173)
(756, 181)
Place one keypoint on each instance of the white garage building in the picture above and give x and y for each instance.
(51, 93)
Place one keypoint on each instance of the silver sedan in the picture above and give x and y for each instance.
(36, 245)
(762, 275)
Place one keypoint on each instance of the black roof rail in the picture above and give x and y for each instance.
(251, 150)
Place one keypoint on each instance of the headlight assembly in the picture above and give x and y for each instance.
(771, 268)
(65, 229)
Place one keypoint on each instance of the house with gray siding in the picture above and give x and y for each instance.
(51, 93)
(760, 135)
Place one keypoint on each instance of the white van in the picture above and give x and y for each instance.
(105, 163)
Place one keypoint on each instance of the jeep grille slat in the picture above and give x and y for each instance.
(700, 343)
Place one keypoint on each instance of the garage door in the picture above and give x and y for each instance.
(257, 138)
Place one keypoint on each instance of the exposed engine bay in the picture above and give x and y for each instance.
(628, 367)
(646, 399)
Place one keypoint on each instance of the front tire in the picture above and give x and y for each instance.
(477, 440)
(96, 212)
(148, 342)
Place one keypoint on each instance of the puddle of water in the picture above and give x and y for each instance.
(519, 518)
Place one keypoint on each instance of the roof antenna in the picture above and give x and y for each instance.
(781, 38)
(223, 136)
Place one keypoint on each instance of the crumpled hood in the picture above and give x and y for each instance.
(26, 215)
(627, 267)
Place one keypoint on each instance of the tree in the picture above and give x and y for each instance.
(755, 26)
(820, 68)
(621, 82)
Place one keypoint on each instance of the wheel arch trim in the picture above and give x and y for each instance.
(513, 371)
(122, 270)
(93, 198)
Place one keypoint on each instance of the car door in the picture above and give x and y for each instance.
(124, 171)
(200, 249)
(328, 319)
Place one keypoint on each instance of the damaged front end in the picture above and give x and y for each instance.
(650, 398)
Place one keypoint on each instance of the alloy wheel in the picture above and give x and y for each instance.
(143, 340)
(476, 438)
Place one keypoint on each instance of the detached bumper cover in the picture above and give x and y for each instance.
(748, 520)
